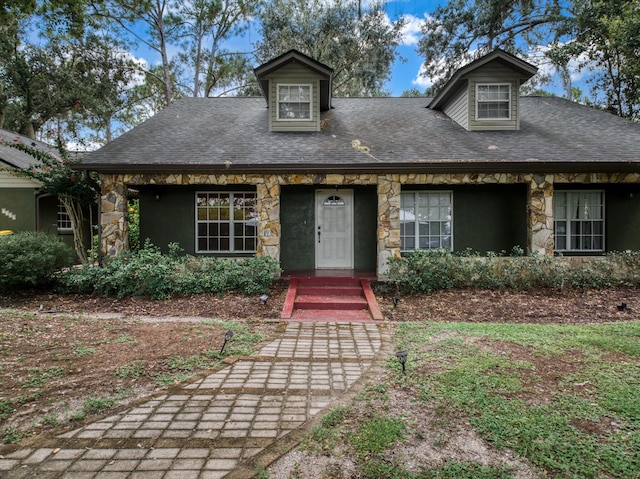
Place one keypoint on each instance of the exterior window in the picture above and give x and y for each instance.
(226, 222)
(578, 220)
(426, 220)
(294, 102)
(493, 102)
(64, 221)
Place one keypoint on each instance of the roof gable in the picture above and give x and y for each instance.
(294, 56)
(525, 69)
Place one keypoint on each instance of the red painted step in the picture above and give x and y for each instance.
(331, 315)
(330, 302)
(308, 289)
(330, 298)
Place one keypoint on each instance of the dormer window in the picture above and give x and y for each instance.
(493, 101)
(294, 102)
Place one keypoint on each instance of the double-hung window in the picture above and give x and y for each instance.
(493, 101)
(294, 102)
(426, 220)
(226, 222)
(578, 221)
(63, 218)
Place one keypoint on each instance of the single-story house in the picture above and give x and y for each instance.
(319, 182)
(22, 206)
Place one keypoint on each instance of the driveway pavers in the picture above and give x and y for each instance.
(221, 425)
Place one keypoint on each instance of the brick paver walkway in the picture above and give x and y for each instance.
(220, 426)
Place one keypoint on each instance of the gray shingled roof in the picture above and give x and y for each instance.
(16, 158)
(401, 133)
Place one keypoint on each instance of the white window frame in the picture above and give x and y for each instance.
(478, 101)
(567, 233)
(231, 222)
(296, 85)
(63, 220)
(430, 238)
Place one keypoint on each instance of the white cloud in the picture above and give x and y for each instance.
(412, 30)
(579, 68)
(425, 80)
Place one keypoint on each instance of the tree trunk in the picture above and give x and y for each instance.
(74, 210)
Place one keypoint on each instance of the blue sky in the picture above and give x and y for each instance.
(405, 74)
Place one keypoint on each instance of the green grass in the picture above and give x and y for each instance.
(376, 435)
(171, 379)
(134, 370)
(6, 408)
(126, 339)
(484, 386)
(38, 377)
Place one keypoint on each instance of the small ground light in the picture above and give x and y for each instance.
(264, 298)
(227, 337)
(396, 300)
(402, 357)
(622, 306)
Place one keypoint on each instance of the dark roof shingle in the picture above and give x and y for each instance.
(220, 133)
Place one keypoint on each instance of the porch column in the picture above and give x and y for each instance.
(540, 215)
(388, 221)
(268, 204)
(114, 224)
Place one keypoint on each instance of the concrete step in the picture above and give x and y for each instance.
(325, 290)
(337, 302)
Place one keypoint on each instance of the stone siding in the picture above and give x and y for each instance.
(114, 224)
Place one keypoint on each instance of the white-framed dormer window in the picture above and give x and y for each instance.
(294, 102)
(493, 101)
(578, 220)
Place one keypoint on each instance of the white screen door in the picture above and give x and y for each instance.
(334, 229)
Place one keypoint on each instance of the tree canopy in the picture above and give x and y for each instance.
(359, 44)
(598, 38)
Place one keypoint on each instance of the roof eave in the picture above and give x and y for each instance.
(443, 166)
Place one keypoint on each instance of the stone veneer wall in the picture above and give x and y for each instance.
(115, 227)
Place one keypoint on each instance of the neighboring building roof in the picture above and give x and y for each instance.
(376, 134)
(527, 70)
(17, 158)
(294, 56)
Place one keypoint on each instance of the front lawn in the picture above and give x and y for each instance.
(490, 401)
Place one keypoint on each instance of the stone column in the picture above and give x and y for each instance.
(388, 221)
(540, 214)
(114, 224)
(268, 205)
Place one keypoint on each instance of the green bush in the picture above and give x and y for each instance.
(148, 272)
(31, 259)
(431, 270)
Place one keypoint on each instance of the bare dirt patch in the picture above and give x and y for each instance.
(545, 306)
(58, 351)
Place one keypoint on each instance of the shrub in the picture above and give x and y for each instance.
(431, 270)
(148, 272)
(31, 259)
